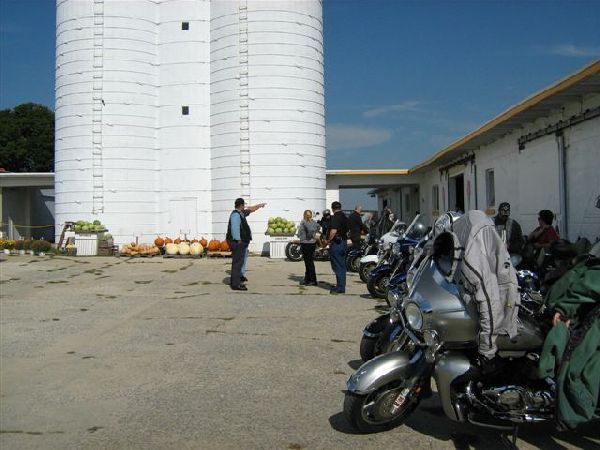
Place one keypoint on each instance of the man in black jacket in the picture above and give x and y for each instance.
(356, 226)
(509, 229)
(338, 233)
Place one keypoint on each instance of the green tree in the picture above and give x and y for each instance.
(27, 138)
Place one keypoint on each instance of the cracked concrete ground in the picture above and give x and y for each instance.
(113, 353)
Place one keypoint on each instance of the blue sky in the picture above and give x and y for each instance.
(403, 78)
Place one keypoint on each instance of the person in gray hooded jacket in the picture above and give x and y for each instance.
(486, 276)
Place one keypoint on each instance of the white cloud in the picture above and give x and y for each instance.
(345, 137)
(383, 110)
(570, 50)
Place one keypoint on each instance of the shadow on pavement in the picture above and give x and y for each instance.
(338, 423)
(355, 363)
(321, 284)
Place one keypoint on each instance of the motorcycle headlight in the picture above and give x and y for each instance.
(413, 316)
(393, 297)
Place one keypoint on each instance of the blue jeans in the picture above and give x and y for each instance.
(337, 256)
(245, 261)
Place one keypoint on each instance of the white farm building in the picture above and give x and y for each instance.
(543, 153)
(167, 110)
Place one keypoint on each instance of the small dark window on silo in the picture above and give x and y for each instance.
(185, 110)
(185, 26)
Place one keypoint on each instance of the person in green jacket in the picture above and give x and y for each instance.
(571, 351)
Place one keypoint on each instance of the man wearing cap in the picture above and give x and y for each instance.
(508, 229)
(239, 236)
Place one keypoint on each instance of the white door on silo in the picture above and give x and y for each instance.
(183, 217)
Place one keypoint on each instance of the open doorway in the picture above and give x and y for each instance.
(456, 193)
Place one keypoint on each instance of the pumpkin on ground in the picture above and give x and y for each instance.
(172, 249)
(177, 241)
(225, 246)
(196, 249)
(168, 240)
(159, 242)
(203, 242)
(184, 248)
(214, 245)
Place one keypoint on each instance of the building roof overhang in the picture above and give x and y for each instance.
(31, 179)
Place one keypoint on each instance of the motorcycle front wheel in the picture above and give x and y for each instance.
(293, 252)
(372, 346)
(386, 408)
(352, 263)
(378, 286)
(365, 271)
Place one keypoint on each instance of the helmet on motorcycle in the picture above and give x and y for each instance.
(417, 231)
(445, 222)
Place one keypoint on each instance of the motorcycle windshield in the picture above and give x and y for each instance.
(398, 227)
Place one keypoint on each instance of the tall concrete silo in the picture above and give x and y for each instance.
(106, 111)
(267, 109)
(167, 110)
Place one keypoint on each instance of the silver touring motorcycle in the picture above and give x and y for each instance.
(433, 332)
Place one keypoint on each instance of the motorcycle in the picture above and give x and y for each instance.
(379, 334)
(432, 332)
(293, 250)
(400, 258)
(384, 247)
(368, 246)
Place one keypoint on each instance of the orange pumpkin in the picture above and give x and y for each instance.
(168, 240)
(177, 241)
(214, 245)
(203, 242)
(159, 242)
(225, 246)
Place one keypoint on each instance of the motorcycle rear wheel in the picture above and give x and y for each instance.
(293, 252)
(365, 270)
(386, 408)
(378, 286)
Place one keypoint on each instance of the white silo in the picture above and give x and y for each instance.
(106, 101)
(183, 138)
(167, 110)
(267, 109)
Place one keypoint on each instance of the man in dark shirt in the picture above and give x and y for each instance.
(356, 226)
(508, 229)
(325, 222)
(338, 232)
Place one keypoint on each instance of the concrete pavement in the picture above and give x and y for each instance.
(114, 353)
